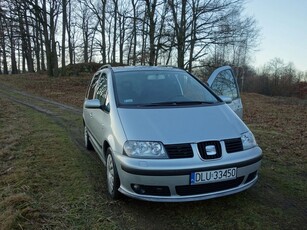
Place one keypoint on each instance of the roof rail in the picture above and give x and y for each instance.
(169, 66)
(105, 66)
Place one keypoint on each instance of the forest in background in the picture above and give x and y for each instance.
(197, 35)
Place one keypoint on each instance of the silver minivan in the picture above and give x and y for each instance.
(165, 136)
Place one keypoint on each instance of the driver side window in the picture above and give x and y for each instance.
(91, 89)
(101, 90)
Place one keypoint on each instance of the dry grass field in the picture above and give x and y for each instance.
(48, 181)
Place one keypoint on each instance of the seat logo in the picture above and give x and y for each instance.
(211, 150)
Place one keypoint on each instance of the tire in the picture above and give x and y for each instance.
(112, 176)
(88, 145)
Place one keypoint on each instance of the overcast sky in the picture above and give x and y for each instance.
(283, 25)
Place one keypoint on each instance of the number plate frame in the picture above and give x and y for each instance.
(205, 177)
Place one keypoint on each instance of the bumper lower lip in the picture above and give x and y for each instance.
(148, 172)
(189, 198)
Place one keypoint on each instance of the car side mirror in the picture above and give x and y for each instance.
(226, 99)
(92, 104)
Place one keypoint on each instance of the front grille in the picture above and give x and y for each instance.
(206, 155)
(233, 145)
(179, 151)
(187, 190)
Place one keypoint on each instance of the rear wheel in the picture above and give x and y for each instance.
(88, 145)
(112, 176)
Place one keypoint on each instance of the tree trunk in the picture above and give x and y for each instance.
(160, 34)
(144, 39)
(193, 36)
(64, 25)
(49, 28)
(36, 38)
(13, 56)
(180, 30)
(85, 45)
(3, 47)
(151, 8)
(134, 3)
(37, 45)
(122, 35)
(5, 68)
(43, 64)
(115, 30)
(68, 27)
(30, 64)
(47, 41)
(103, 28)
(109, 60)
(23, 41)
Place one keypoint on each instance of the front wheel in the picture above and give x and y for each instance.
(112, 176)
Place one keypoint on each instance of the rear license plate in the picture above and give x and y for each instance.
(213, 176)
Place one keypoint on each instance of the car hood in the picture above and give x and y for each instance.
(181, 124)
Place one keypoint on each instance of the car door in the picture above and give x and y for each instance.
(88, 113)
(224, 83)
(100, 117)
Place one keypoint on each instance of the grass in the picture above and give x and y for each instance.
(281, 130)
(46, 181)
(44, 176)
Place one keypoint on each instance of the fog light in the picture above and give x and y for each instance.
(138, 189)
(151, 190)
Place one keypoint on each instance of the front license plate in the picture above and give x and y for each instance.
(213, 176)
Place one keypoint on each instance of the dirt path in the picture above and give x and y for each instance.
(65, 115)
(30, 100)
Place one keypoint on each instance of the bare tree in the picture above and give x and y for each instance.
(181, 32)
(48, 17)
(178, 10)
(98, 8)
(11, 31)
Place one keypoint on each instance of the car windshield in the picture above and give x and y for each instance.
(160, 88)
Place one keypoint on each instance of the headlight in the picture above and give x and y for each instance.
(248, 140)
(145, 149)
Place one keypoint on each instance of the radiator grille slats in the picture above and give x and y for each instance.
(179, 151)
(233, 145)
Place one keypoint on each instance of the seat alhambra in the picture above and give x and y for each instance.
(165, 136)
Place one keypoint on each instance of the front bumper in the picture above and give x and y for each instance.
(169, 180)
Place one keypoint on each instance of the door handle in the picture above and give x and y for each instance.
(91, 115)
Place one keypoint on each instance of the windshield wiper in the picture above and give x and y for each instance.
(175, 103)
